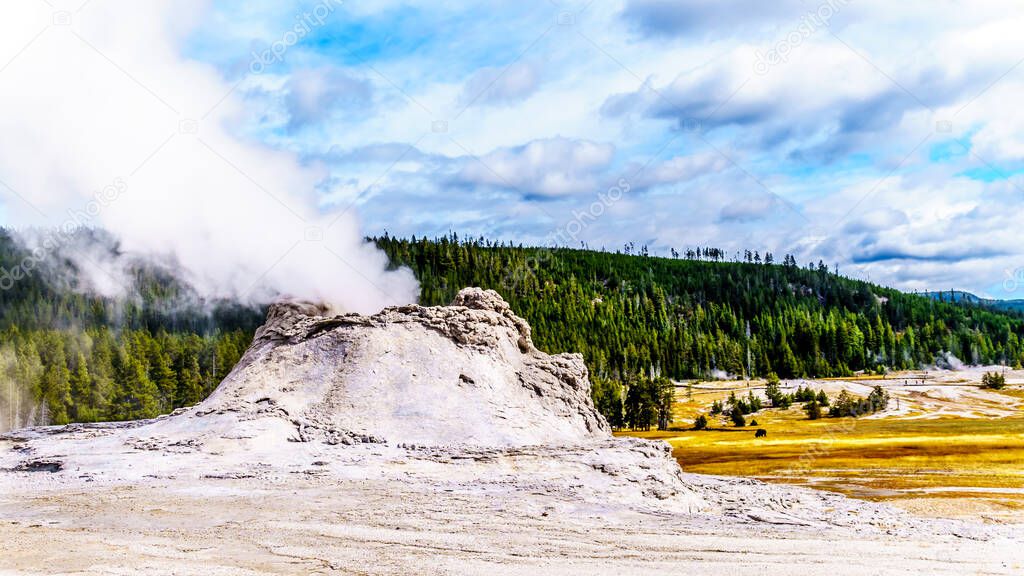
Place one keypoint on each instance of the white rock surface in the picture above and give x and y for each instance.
(425, 440)
(461, 374)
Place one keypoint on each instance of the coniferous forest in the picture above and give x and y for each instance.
(697, 315)
(66, 355)
(70, 356)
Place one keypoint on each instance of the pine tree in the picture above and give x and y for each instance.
(665, 392)
(81, 392)
(737, 418)
(55, 383)
(772, 390)
(822, 398)
(162, 375)
(190, 383)
(135, 396)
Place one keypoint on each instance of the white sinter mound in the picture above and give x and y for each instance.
(462, 374)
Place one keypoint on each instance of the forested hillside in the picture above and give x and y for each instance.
(67, 356)
(697, 315)
(966, 298)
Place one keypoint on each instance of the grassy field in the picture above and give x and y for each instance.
(945, 466)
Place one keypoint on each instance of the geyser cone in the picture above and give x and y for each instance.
(461, 374)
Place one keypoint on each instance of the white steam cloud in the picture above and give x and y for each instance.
(106, 124)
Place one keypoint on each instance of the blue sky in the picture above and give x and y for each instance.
(882, 138)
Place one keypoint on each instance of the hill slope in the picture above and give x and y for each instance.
(690, 318)
(961, 297)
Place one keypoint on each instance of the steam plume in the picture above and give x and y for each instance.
(106, 124)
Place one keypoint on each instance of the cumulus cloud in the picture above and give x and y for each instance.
(748, 210)
(880, 219)
(923, 233)
(314, 94)
(679, 169)
(104, 96)
(379, 153)
(840, 133)
(828, 153)
(543, 168)
(501, 85)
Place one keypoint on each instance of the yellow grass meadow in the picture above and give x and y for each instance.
(920, 457)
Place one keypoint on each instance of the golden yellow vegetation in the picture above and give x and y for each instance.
(976, 461)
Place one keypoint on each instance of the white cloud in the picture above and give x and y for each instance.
(749, 209)
(552, 167)
(314, 94)
(880, 219)
(813, 157)
(680, 169)
(501, 84)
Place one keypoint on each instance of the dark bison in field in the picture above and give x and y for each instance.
(761, 433)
